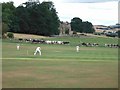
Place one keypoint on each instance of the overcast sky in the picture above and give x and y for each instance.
(99, 12)
(87, 1)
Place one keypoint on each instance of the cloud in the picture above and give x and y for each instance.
(104, 13)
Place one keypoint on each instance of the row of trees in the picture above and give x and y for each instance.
(31, 18)
(37, 18)
(79, 26)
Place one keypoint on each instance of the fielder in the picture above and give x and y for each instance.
(18, 47)
(38, 50)
(77, 48)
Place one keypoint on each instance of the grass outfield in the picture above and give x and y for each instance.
(60, 66)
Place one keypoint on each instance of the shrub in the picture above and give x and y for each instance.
(10, 35)
(97, 33)
(74, 32)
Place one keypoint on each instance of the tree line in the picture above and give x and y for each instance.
(37, 18)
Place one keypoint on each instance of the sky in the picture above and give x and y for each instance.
(98, 12)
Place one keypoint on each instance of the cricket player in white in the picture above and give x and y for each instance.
(77, 48)
(38, 50)
(18, 47)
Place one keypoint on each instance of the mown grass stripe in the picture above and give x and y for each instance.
(55, 59)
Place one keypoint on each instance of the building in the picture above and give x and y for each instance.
(65, 28)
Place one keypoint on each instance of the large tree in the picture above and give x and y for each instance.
(88, 27)
(36, 18)
(76, 24)
(7, 12)
(7, 15)
(79, 26)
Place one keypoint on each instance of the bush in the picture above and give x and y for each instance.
(97, 33)
(74, 32)
(10, 35)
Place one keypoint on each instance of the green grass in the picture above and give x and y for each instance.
(60, 66)
(99, 40)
